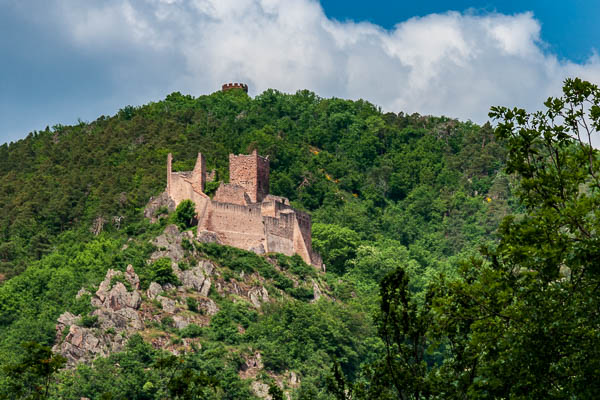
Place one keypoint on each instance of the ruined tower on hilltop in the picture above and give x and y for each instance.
(229, 86)
(242, 213)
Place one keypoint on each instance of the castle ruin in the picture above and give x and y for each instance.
(242, 213)
(229, 86)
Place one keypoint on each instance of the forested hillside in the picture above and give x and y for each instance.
(384, 190)
(420, 180)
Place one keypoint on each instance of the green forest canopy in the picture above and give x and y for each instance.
(384, 190)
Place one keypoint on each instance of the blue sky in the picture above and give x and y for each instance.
(64, 60)
(569, 28)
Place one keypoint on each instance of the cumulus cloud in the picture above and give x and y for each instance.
(454, 64)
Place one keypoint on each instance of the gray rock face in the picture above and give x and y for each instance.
(209, 306)
(261, 390)
(258, 295)
(132, 277)
(104, 287)
(207, 237)
(167, 304)
(316, 291)
(155, 203)
(169, 244)
(118, 297)
(180, 322)
(154, 290)
(117, 317)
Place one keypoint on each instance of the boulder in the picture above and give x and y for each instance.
(168, 305)
(261, 390)
(180, 322)
(207, 237)
(118, 297)
(258, 295)
(196, 279)
(104, 287)
(132, 277)
(316, 291)
(155, 203)
(169, 244)
(208, 305)
(154, 290)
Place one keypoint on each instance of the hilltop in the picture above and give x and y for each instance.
(383, 190)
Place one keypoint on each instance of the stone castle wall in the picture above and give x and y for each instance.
(252, 173)
(236, 225)
(232, 193)
(229, 86)
(242, 213)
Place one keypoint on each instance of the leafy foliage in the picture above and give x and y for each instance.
(384, 190)
(185, 214)
(160, 271)
(521, 322)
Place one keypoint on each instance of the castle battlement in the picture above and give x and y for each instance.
(242, 213)
(229, 86)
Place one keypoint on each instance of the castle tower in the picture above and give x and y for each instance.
(252, 173)
(229, 86)
(199, 173)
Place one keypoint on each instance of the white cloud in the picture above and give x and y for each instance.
(452, 64)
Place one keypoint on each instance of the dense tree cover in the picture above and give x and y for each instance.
(384, 190)
(522, 322)
(420, 180)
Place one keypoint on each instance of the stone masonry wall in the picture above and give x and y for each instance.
(242, 213)
(252, 173)
(231, 193)
(236, 225)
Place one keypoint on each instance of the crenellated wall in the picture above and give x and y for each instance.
(229, 86)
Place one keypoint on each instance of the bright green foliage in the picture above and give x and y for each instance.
(303, 336)
(185, 214)
(31, 377)
(192, 304)
(384, 190)
(523, 322)
(160, 271)
(337, 244)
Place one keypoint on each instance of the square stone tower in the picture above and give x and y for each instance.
(252, 173)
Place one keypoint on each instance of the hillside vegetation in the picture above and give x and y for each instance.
(384, 190)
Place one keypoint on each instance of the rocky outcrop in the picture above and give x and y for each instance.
(154, 290)
(197, 278)
(258, 295)
(122, 308)
(82, 343)
(156, 203)
(167, 305)
(316, 291)
(251, 366)
(105, 331)
(208, 237)
(261, 390)
(169, 244)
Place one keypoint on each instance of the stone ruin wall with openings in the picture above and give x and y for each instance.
(242, 213)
